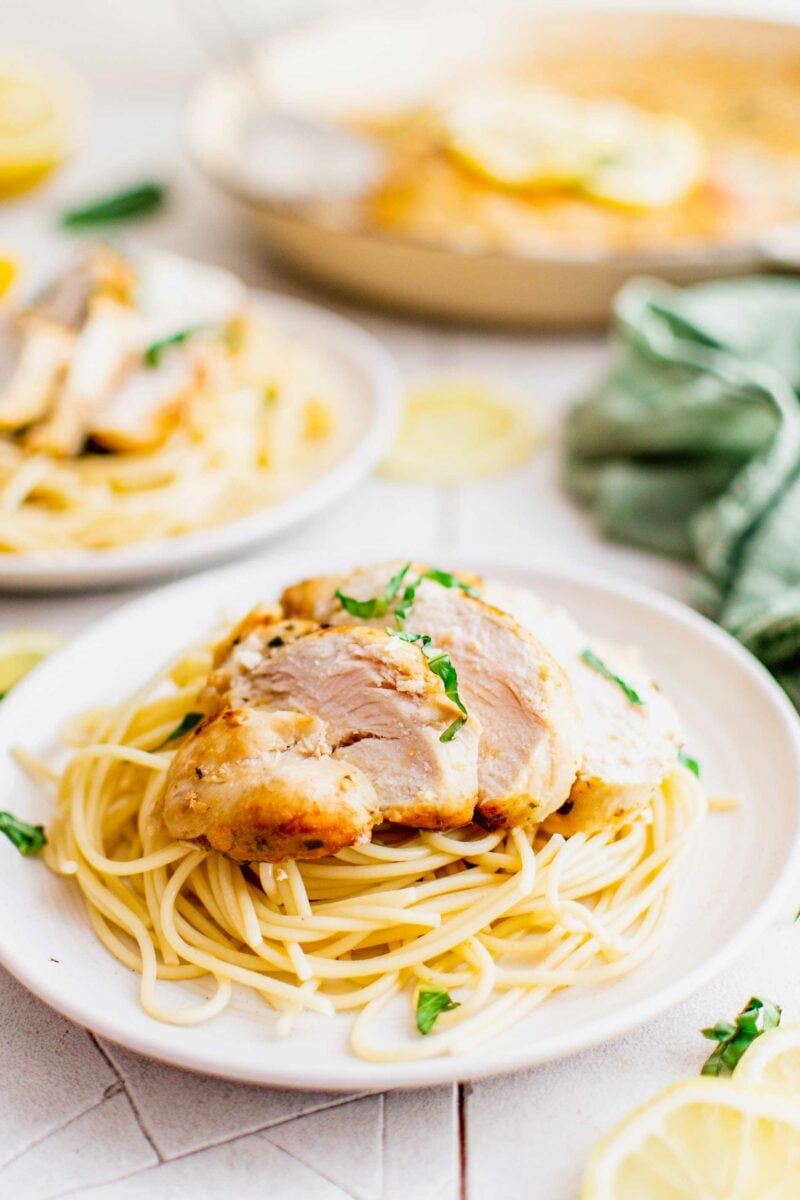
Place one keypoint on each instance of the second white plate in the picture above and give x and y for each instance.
(737, 874)
(375, 392)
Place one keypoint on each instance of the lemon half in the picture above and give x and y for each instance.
(455, 431)
(43, 107)
(20, 651)
(528, 139)
(704, 1139)
(773, 1060)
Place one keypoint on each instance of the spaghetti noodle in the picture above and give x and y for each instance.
(500, 920)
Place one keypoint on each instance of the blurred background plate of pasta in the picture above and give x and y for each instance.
(755, 751)
(158, 417)
(523, 176)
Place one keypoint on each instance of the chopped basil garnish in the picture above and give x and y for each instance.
(189, 721)
(733, 1039)
(28, 839)
(596, 663)
(690, 763)
(156, 350)
(441, 665)
(444, 578)
(431, 1002)
(378, 606)
(132, 202)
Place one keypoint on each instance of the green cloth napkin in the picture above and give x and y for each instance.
(691, 446)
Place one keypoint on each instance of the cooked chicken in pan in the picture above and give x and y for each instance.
(406, 694)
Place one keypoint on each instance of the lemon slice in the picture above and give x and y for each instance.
(704, 1139)
(519, 137)
(527, 138)
(20, 651)
(773, 1060)
(42, 110)
(656, 162)
(455, 431)
(8, 275)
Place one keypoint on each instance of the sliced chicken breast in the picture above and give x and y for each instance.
(531, 739)
(262, 786)
(142, 412)
(384, 709)
(630, 748)
(106, 347)
(42, 363)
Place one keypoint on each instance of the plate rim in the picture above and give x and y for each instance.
(444, 1069)
(173, 557)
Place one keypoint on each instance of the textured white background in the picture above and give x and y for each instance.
(78, 1118)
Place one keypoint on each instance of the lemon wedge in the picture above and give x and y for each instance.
(8, 274)
(704, 1138)
(20, 651)
(526, 138)
(455, 431)
(773, 1060)
(42, 111)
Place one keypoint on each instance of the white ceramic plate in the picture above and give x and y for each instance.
(737, 874)
(374, 391)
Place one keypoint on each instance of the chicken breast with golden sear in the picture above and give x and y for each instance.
(531, 741)
(384, 709)
(632, 737)
(261, 786)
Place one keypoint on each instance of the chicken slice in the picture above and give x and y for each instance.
(106, 347)
(41, 365)
(531, 740)
(384, 708)
(49, 329)
(262, 786)
(143, 411)
(630, 748)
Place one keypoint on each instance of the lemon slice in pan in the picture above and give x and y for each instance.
(455, 431)
(527, 139)
(655, 162)
(20, 651)
(519, 137)
(42, 112)
(773, 1060)
(704, 1138)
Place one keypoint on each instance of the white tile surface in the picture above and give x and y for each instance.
(70, 1154)
(249, 1168)
(63, 1119)
(50, 1072)
(183, 1112)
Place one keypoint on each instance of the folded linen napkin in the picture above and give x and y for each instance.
(691, 446)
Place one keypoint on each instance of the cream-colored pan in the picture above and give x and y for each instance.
(391, 57)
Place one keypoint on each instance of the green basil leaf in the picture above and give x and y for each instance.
(156, 350)
(431, 1002)
(690, 763)
(378, 606)
(188, 722)
(28, 839)
(734, 1038)
(441, 665)
(596, 663)
(138, 201)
